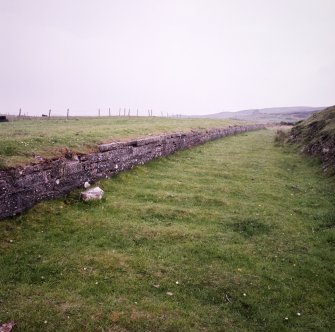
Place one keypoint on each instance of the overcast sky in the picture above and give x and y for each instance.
(176, 56)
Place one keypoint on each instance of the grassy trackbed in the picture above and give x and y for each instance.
(234, 235)
(21, 141)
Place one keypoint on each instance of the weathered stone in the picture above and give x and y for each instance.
(92, 194)
(22, 187)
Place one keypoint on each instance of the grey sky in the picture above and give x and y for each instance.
(176, 56)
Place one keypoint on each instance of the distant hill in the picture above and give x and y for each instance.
(316, 136)
(268, 115)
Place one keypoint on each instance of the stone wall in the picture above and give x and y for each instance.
(22, 187)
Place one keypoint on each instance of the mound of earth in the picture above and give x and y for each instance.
(316, 136)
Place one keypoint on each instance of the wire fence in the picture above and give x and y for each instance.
(54, 114)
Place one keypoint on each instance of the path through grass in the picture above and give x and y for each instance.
(234, 235)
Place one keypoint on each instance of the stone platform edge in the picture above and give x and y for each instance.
(24, 186)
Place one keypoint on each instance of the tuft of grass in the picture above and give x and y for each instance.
(282, 136)
(233, 235)
(250, 227)
(326, 220)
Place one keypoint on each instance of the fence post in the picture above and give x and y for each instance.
(99, 112)
(109, 111)
(124, 112)
(67, 114)
(49, 113)
(137, 112)
(119, 111)
(20, 112)
(129, 112)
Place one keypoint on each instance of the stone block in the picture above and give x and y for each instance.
(92, 194)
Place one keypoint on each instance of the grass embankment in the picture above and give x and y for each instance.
(316, 136)
(21, 141)
(233, 235)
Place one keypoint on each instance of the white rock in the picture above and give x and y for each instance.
(86, 185)
(95, 193)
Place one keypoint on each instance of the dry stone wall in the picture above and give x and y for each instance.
(22, 187)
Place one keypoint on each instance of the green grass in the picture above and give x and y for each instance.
(21, 141)
(240, 231)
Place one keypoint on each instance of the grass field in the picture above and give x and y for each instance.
(21, 141)
(234, 235)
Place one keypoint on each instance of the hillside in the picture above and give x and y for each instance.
(316, 135)
(268, 115)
